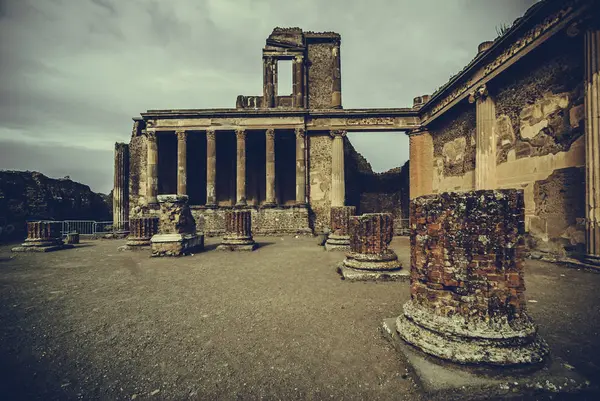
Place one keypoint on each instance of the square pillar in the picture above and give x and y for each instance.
(421, 162)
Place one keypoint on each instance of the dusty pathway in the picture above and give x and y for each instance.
(278, 323)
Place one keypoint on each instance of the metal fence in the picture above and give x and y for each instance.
(91, 227)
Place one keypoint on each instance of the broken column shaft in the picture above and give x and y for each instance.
(339, 236)
(42, 236)
(141, 230)
(467, 291)
(238, 231)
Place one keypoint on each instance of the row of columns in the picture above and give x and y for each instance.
(211, 166)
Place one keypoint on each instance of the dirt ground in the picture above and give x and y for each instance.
(277, 323)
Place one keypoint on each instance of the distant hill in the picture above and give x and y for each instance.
(26, 195)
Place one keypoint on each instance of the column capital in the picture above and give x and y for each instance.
(479, 93)
(181, 135)
(418, 131)
(210, 133)
(300, 132)
(299, 58)
(338, 133)
(151, 134)
(270, 132)
(240, 133)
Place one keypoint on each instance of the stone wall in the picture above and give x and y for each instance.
(265, 221)
(320, 73)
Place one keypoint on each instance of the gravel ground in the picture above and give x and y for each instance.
(277, 323)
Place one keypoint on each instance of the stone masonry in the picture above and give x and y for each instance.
(467, 289)
(141, 230)
(339, 237)
(42, 236)
(369, 257)
(177, 228)
(238, 236)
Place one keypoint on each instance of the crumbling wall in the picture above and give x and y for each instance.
(454, 149)
(540, 141)
(321, 63)
(319, 167)
(137, 175)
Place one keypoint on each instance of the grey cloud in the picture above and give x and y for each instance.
(74, 72)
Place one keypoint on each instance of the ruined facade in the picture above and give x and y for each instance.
(524, 114)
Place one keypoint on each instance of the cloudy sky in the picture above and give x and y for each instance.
(74, 72)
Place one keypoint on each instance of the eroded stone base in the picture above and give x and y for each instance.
(448, 381)
(237, 244)
(49, 248)
(351, 274)
(338, 243)
(176, 244)
(387, 260)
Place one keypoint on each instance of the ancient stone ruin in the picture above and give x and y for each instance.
(141, 231)
(369, 257)
(339, 237)
(176, 228)
(467, 288)
(42, 236)
(238, 235)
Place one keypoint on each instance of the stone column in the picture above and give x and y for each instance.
(238, 231)
(592, 144)
(467, 286)
(211, 168)
(298, 85)
(485, 159)
(336, 94)
(370, 257)
(152, 169)
(141, 230)
(181, 162)
(270, 158)
(421, 162)
(121, 186)
(300, 167)
(338, 189)
(42, 236)
(269, 84)
(339, 237)
(240, 135)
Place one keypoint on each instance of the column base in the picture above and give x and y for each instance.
(176, 244)
(338, 243)
(241, 204)
(234, 243)
(269, 205)
(136, 244)
(593, 260)
(42, 246)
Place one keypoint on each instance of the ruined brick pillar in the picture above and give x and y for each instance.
(211, 168)
(338, 189)
(240, 135)
(269, 92)
(152, 169)
(421, 162)
(42, 236)
(238, 231)
(300, 167)
(370, 257)
(485, 158)
(336, 95)
(121, 187)
(592, 144)
(141, 230)
(298, 81)
(270, 168)
(467, 289)
(181, 162)
(176, 228)
(339, 236)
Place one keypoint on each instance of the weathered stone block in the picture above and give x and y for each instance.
(177, 228)
(339, 238)
(467, 287)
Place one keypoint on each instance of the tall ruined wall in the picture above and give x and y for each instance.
(319, 167)
(320, 74)
(540, 142)
(137, 175)
(454, 150)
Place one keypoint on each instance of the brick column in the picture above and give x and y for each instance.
(592, 144)
(121, 186)
(467, 288)
(485, 158)
(240, 135)
(181, 162)
(238, 231)
(42, 236)
(339, 237)
(211, 168)
(336, 94)
(141, 230)
(270, 168)
(338, 189)
(152, 169)
(421, 162)
(300, 167)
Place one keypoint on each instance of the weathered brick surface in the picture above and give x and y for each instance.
(467, 253)
(43, 230)
(340, 219)
(141, 228)
(238, 223)
(371, 233)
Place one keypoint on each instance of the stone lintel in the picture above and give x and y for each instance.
(172, 198)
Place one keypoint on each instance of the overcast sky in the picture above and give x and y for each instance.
(74, 72)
